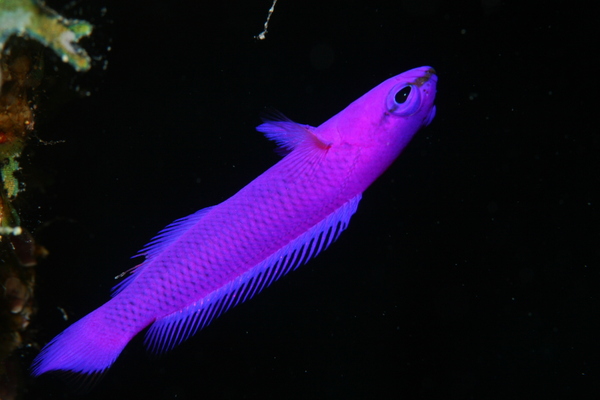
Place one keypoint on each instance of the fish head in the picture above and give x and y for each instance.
(391, 112)
(379, 124)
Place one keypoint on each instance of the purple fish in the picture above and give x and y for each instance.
(201, 265)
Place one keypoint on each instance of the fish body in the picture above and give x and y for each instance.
(202, 265)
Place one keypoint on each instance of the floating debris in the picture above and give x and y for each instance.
(263, 34)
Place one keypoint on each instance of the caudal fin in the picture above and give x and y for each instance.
(89, 346)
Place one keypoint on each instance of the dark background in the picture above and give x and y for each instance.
(470, 270)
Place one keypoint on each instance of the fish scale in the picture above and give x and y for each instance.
(202, 265)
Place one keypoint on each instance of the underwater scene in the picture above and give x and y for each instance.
(292, 199)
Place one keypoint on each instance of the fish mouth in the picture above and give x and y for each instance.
(429, 74)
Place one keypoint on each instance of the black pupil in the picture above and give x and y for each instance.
(402, 95)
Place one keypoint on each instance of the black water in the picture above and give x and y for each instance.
(471, 268)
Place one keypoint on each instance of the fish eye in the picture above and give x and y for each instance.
(402, 95)
(404, 100)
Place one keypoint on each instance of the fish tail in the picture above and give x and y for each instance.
(89, 346)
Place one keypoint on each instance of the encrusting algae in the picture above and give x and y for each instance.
(24, 25)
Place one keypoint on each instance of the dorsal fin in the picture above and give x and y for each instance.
(288, 134)
(165, 238)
